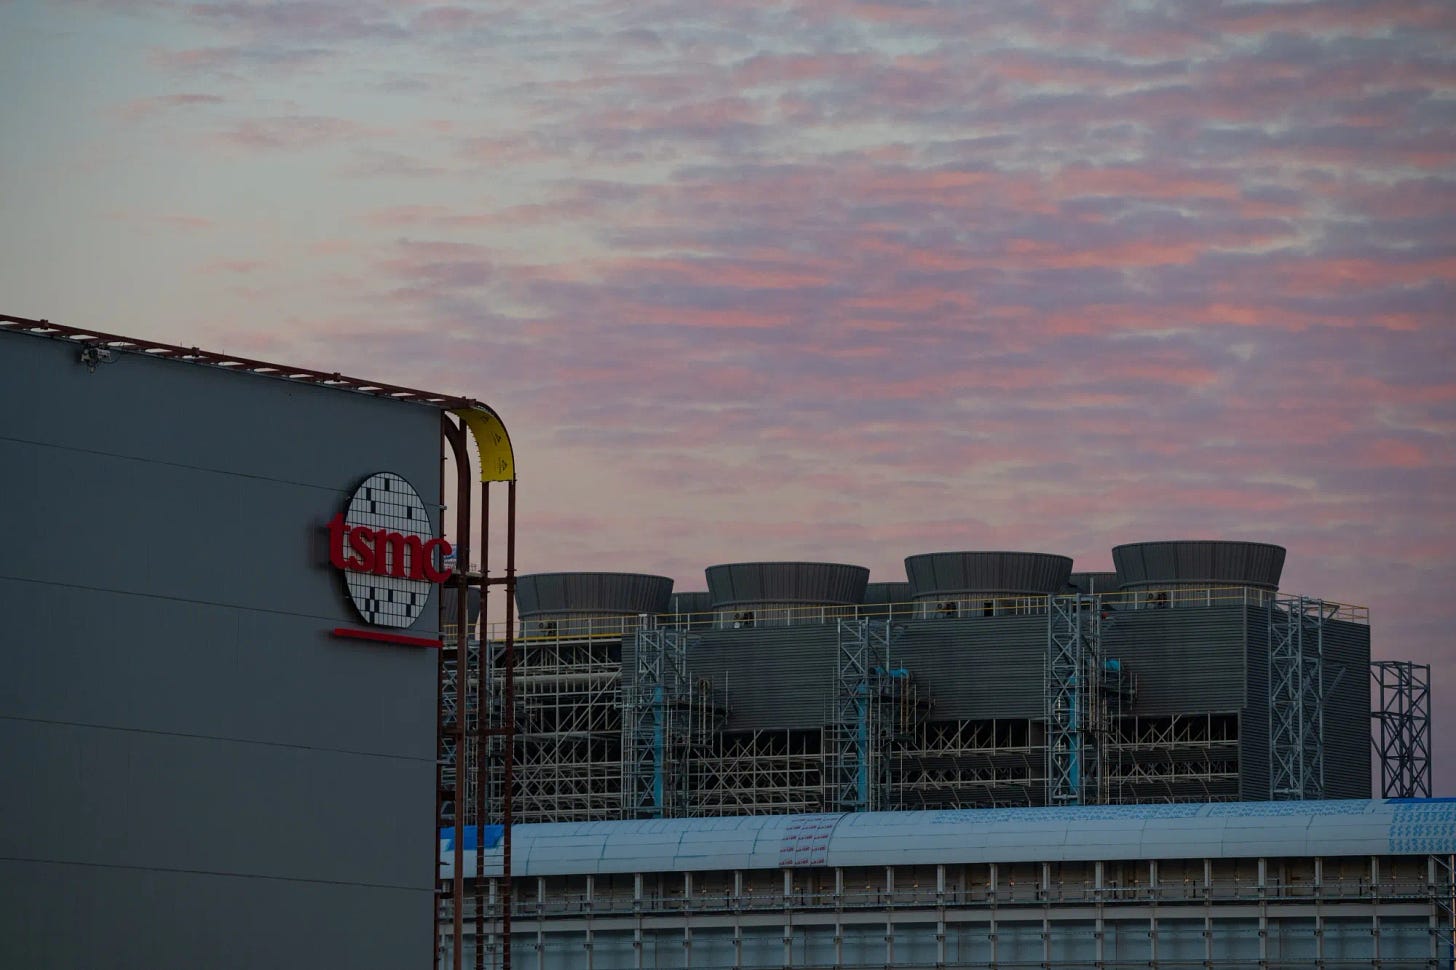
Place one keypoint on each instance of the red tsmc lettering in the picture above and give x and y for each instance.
(361, 549)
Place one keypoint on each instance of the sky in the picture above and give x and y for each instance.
(842, 280)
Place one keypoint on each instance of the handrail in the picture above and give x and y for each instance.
(962, 606)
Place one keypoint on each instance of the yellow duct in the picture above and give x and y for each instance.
(497, 460)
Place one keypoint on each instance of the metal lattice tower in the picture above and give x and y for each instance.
(1297, 692)
(858, 733)
(656, 710)
(1075, 706)
(1402, 737)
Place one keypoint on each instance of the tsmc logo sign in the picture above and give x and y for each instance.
(388, 553)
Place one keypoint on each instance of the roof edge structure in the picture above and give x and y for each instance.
(497, 457)
(97, 341)
(1215, 830)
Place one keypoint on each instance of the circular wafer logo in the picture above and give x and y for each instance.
(387, 550)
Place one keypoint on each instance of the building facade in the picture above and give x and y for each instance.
(194, 739)
(1331, 884)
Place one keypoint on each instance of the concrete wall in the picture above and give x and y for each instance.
(195, 773)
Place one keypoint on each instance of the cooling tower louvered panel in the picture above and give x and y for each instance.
(1204, 563)
(949, 574)
(774, 678)
(1185, 661)
(1254, 719)
(592, 593)
(881, 593)
(984, 667)
(697, 601)
(817, 583)
(1347, 709)
(1096, 582)
(450, 605)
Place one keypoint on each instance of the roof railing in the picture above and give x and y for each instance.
(947, 607)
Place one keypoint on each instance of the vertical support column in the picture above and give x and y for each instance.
(687, 940)
(479, 771)
(1374, 911)
(1263, 912)
(637, 942)
(940, 916)
(1155, 893)
(788, 892)
(591, 893)
(508, 785)
(454, 436)
(1319, 912)
(889, 916)
(838, 917)
(991, 928)
(1208, 912)
(737, 919)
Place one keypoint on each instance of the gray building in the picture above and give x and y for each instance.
(1262, 886)
(989, 679)
(191, 757)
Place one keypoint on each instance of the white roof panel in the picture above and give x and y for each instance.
(1219, 830)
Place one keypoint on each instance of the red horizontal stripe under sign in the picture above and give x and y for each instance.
(378, 637)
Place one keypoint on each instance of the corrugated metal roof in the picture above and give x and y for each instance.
(1220, 830)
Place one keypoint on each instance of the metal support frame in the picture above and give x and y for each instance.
(468, 722)
(1402, 736)
(1075, 703)
(860, 728)
(656, 725)
(1297, 691)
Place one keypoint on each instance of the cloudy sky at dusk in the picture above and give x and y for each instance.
(815, 279)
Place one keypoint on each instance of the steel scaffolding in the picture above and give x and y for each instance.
(1173, 758)
(1402, 738)
(1075, 704)
(763, 772)
(611, 723)
(964, 763)
(866, 716)
(1297, 691)
(567, 757)
(654, 726)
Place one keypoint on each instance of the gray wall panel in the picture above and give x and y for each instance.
(120, 660)
(166, 801)
(172, 531)
(172, 699)
(206, 417)
(63, 917)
